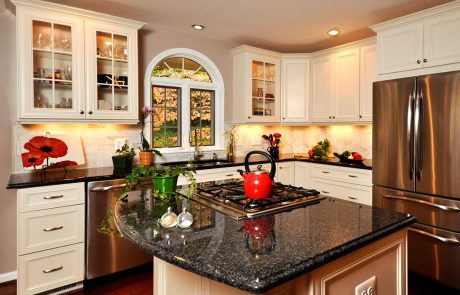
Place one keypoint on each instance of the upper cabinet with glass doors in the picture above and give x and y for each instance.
(256, 85)
(75, 65)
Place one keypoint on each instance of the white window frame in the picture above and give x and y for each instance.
(217, 86)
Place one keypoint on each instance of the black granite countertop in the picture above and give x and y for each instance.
(289, 243)
(59, 176)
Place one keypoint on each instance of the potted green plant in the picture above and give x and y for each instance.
(123, 160)
(146, 152)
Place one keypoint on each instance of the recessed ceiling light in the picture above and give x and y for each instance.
(333, 32)
(198, 27)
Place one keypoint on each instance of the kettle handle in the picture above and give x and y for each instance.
(266, 155)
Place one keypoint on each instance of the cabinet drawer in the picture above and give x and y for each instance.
(50, 269)
(50, 196)
(45, 229)
(345, 191)
(351, 175)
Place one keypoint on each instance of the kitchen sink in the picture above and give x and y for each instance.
(199, 163)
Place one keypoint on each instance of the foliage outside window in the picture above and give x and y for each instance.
(166, 116)
(182, 69)
(202, 115)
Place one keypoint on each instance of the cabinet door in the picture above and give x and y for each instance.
(322, 85)
(264, 93)
(50, 57)
(346, 86)
(368, 75)
(302, 174)
(400, 49)
(285, 173)
(295, 89)
(442, 40)
(111, 64)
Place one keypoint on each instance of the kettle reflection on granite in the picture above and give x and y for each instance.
(260, 237)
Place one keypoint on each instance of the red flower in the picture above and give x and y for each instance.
(62, 164)
(276, 135)
(49, 147)
(32, 159)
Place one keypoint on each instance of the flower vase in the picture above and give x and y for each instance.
(274, 152)
(146, 158)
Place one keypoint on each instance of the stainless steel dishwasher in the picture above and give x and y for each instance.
(107, 254)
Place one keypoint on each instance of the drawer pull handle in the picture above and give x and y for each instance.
(53, 197)
(439, 238)
(352, 198)
(228, 175)
(53, 269)
(352, 176)
(325, 192)
(439, 206)
(326, 172)
(53, 228)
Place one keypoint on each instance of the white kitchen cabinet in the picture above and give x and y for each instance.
(400, 49)
(302, 174)
(346, 85)
(342, 182)
(51, 228)
(368, 75)
(295, 90)
(57, 49)
(256, 85)
(322, 88)
(425, 39)
(285, 173)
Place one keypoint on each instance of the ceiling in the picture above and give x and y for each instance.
(284, 26)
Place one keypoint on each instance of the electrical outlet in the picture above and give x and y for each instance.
(118, 142)
(367, 287)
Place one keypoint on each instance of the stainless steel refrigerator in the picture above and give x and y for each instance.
(416, 166)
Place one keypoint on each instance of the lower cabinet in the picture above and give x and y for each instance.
(302, 175)
(285, 173)
(383, 260)
(51, 237)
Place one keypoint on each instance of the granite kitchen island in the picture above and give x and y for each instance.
(328, 247)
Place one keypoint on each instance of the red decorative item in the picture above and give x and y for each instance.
(41, 149)
(258, 184)
(258, 227)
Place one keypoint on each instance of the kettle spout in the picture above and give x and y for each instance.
(241, 172)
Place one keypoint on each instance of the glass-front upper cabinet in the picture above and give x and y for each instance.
(112, 76)
(50, 66)
(256, 85)
(75, 65)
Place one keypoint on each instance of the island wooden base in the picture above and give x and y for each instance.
(385, 259)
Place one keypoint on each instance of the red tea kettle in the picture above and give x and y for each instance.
(258, 184)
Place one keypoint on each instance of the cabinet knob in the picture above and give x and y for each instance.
(90, 112)
(425, 60)
(419, 61)
(333, 117)
(361, 116)
(249, 117)
(284, 118)
(330, 117)
(82, 112)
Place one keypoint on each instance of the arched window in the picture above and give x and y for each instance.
(186, 90)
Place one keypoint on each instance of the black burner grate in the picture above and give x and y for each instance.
(233, 194)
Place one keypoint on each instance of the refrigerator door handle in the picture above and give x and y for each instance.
(419, 170)
(439, 206)
(439, 238)
(410, 138)
(417, 131)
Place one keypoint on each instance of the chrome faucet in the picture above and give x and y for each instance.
(198, 154)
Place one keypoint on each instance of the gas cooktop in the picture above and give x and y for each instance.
(229, 198)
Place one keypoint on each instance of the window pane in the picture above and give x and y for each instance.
(202, 115)
(166, 116)
(181, 68)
